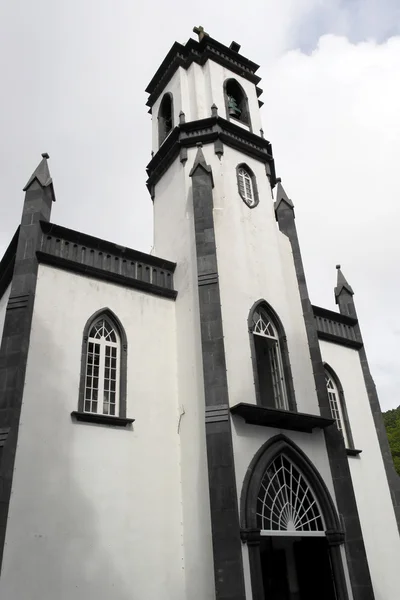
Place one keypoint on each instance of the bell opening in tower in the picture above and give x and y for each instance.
(165, 118)
(237, 107)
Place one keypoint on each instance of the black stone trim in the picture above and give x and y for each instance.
(215, 130)
(108, 314)
(7, 264)
(15, 343)
(333, 316)
(101, 419)
(281, 419)
(225, 527)
(77, 237)
(355, 550)
(19, 301)
(345, 299)
(4, 431)
(277, 445)
(207, 279)
(220, 412)
(76, 267)
(200, 52)
(353, 452)
(337, 339)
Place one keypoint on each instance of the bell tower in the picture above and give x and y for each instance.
(211, 179)
(249, 367)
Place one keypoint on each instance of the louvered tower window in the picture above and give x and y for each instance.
(269, 361)
(102, 369)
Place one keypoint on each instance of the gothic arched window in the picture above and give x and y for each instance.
(165, 118)
(286, 501)
(237, 106)
(274, 386)
(103, 376)
(337, 404)
(247, 185)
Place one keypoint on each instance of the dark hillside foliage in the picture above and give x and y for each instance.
(391, 419)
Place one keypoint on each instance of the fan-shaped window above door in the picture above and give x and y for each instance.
(286, 501)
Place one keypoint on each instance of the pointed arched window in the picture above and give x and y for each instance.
(286, 501)
(103, 377)
(337, 404)
(270, 359)
(247, 185)
(237, 106)
(165, 118)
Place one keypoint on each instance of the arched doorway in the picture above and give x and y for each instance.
(291, 527)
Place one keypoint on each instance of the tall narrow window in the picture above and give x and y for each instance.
(165, 118)
(102, 370)
(104, 359)
(272, 389)
(237, 107)
(336, 403)
(247, 185)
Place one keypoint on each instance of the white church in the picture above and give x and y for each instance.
(186, 424)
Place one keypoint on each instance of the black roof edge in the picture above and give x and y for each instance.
(194, 51)
(333, 315)
(106, 246)
(7, 263)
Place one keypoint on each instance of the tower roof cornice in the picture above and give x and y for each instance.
(199, 52)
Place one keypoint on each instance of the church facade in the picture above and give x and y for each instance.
(186, 424)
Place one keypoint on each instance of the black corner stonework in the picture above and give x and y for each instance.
(227, 550)
(354, 545)
(345, 300)
(17, 327)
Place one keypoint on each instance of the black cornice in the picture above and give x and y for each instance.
(208, 130)
(333, 316)
(200, 52)
(88, 240)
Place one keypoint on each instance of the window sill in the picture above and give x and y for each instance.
(282, 419)
(353, 452)
(101, 419)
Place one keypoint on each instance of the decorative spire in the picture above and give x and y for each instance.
(200, 163)
(41, 175)
(342, 284)
(281, 196)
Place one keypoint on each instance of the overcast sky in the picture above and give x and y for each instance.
(73, 76)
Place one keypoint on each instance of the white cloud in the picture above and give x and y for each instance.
(334, 121)
(73, 79)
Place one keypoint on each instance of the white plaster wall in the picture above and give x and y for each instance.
(374, 503)
(255, 262)
(96, 511)
(3, 308)
(174, 239)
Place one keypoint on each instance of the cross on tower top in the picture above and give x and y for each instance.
(200, 32)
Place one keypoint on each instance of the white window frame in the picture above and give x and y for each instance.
(335, 406)
(244, 178)
(103, 345)
(288, 500)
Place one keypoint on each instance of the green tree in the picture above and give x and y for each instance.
(391, 419)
